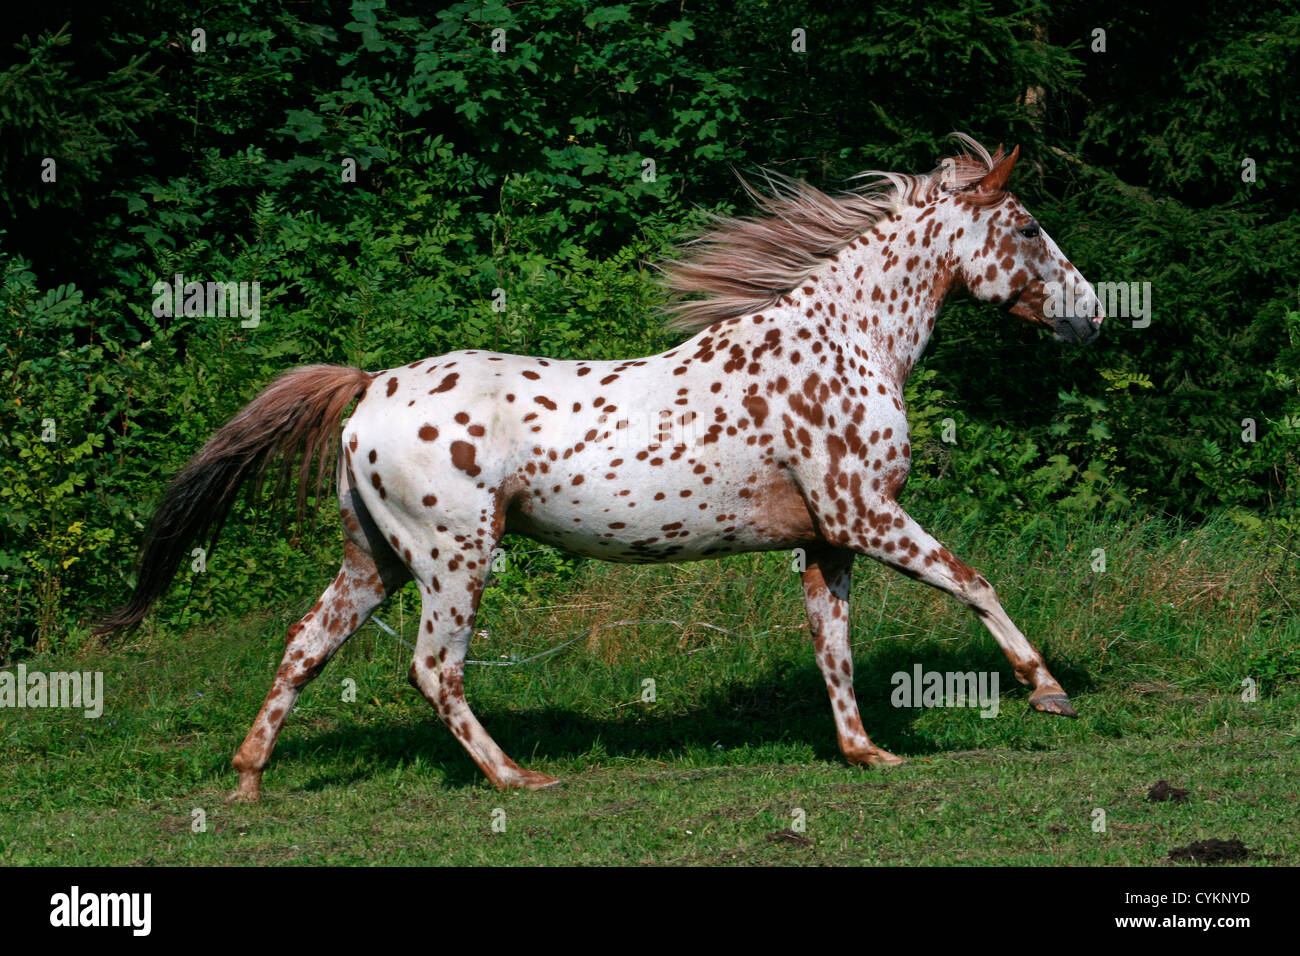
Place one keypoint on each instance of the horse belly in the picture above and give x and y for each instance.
(662, 514)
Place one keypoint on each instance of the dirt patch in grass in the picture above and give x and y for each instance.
(1212, 850)
(788, 837)
(1162, 792)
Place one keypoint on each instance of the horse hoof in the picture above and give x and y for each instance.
(538, 781)
(883, 758)
(527, 780)
(874, 758)
(1053, 704)
(249, 790)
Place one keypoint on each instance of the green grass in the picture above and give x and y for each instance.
(1153, 652)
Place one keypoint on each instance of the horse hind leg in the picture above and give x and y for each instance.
(362, 584)
(450, 594)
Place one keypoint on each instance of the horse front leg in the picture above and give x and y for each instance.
(826, 582)
(892, 536)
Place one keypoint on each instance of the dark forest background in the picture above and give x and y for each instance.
(523, 169)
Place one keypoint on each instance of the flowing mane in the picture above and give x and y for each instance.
(744, 264)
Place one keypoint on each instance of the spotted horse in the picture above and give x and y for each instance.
(807, 317)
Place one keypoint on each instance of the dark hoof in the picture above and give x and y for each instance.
(1053, 704)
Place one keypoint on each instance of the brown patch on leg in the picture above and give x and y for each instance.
(452, 708)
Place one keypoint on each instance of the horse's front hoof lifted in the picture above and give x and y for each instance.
(1053, 704)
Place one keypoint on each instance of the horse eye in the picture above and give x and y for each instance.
(1029, 230)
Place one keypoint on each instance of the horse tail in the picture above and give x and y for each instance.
(295, 417)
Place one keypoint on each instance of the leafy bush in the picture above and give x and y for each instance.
(510, 189)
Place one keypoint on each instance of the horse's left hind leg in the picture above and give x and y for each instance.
(360, 587)
(826, 585)
(450, 598)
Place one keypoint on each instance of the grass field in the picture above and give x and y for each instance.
(735, 762)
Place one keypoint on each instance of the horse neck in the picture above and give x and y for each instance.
(884, 289)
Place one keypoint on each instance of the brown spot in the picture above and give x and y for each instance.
(961, 571)
(462, 456)
(757, 407)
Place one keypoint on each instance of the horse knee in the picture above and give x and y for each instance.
(980, 596)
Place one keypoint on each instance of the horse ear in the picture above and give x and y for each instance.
(995, 180)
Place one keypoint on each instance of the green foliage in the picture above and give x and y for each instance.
(84, 124)
(519, 165)
(47, 452)
(1275, 667)
(995, 474)
(1272, 447)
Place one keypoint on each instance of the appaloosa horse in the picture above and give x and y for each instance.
(809, 319)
